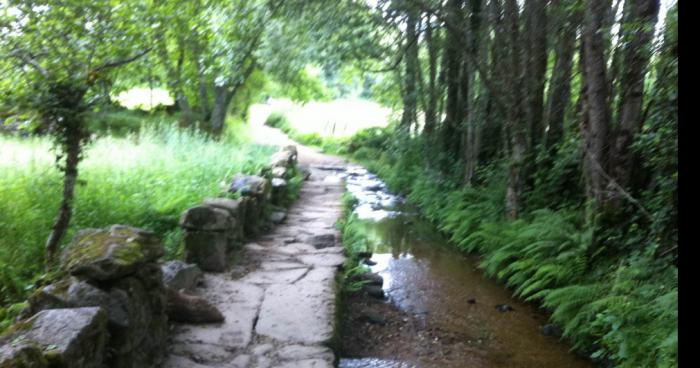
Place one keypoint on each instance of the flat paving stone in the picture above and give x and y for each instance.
(303, 313)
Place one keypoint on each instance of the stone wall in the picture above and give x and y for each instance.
(106, 307)
(214, 228)
(109, 306)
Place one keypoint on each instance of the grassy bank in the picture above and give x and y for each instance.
(145, 179)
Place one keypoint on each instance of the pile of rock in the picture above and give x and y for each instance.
(108, 308)
(218, 225)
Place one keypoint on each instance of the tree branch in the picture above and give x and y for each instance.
(114, 64)
(27, 59)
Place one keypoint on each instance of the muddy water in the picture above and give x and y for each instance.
(444, 290)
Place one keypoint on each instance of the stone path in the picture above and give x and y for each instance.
(279, 297)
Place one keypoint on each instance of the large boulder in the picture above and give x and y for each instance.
(251, 185)
(207, 249)
(108, 254)
(70, 338)
(207, 218)
(179, 275)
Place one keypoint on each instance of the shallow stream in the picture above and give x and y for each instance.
(444, 290)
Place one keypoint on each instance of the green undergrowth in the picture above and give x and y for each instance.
(354, 240)
(618, 307)
(145, 179)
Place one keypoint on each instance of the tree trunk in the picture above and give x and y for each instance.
(222, 100)
(64, 110)
(516, 126)
(431, 108)
(637, 35)
(410, 100)
(473, 118)
(596, 133)
(536, 66)
(560, 85)
(453, 68)
(65, 212)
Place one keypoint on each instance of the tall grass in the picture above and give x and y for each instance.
(145, 179)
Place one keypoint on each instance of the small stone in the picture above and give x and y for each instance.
(374, 291)
(180, 275)
(504, 308)
(323, 240)
(369, 262)
(471, 301)
(181, 307)
(278, 217)
(551, 330)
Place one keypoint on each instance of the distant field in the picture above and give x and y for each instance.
(339, 118)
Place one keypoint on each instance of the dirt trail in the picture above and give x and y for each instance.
(279, 297)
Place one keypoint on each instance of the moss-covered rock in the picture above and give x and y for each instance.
(108, 254)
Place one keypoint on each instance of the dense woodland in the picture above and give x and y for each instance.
(540, 134)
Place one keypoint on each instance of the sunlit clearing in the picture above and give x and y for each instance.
(144, 98)
(338, 118)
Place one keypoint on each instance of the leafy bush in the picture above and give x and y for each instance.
(278, 120)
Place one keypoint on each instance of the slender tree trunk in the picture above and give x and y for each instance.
(516, 125)
(223, 95)
(65, 108)
(598, 117)
(222, 100)
(431, 108)
(453, 68)
(560, 85)
(65, 212)
(637, 35)
(410, 101)
(536, 66)
(473, 119)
